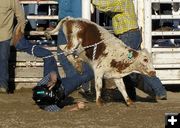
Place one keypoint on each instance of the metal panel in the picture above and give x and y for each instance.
(22, 56)
(166, 58)
(40, 33)
(165, 16)
(166, 65)
(165, 33)
(86, 9)
(43, 17)
(164, 1)
(29, 72)
(38, 2)
(168, 74)
(165, 49)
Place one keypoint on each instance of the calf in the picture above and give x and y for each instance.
(108, 55)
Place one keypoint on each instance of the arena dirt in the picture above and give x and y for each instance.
(19, 111)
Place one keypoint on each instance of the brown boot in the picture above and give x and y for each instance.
(17, 35)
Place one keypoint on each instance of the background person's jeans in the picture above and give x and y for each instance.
(50, 63)
(132, 39)
(4, 57)
(31, 9)
(151, 85)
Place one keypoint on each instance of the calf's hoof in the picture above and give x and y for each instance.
(99, 102)
(129, 102)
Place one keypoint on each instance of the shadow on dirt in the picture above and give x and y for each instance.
(113, 95)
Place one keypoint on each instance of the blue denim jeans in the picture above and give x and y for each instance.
(72, 82)
(50, 64)
(132, 39)
(73, 79)
(4, 57)
(151, 85)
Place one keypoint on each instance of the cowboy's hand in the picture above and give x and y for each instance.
(79, 66)
(47, 35)
(52, 81)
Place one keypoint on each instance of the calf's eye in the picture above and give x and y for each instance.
(145, 60)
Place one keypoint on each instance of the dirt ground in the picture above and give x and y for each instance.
(19, 111)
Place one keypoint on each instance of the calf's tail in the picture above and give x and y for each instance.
(58, 27)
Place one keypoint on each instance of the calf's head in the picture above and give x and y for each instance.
(145, 65)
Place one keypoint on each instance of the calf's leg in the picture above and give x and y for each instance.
(121, 87)
(98, 87)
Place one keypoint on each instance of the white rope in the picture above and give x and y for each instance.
(56, 54)
(32, 50)
(94, 51)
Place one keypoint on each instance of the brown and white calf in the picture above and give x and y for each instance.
(111, 59)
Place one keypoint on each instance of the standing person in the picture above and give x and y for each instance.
(8, 10)
(125, 26)
(52, 83)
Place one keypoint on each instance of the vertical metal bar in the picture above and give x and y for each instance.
(140, 12)
(86, 9)
(49, 9)
(148, 25)
(97, 16)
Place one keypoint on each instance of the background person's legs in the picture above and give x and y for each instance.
(31, 9)
(152, 86)
(4, 58)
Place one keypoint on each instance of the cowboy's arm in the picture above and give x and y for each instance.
(109, 5)
(19, 13)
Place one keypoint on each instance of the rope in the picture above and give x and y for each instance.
(94, 51)
(32, 50)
